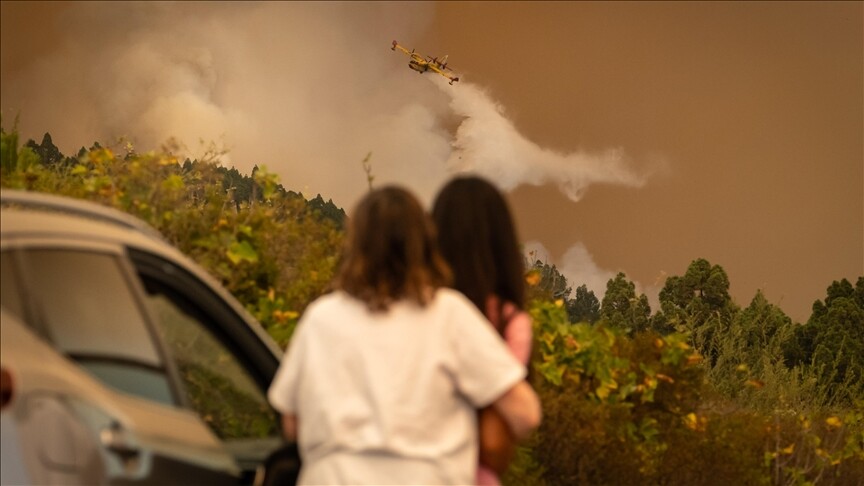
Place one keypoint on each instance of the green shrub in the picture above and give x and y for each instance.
(275, 254)
(645, 409)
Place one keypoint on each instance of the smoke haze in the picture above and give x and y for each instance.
(631, 137)
(304, 89)
(488, 143)
(579, 267)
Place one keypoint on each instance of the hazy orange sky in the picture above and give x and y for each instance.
(756, 106)
(630, 137)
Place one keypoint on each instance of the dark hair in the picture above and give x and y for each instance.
(391, 251)
(478, 239)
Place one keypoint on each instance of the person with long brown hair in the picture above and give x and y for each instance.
(382, 379)
(478, 239)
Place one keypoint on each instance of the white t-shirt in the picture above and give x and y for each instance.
(391, 397)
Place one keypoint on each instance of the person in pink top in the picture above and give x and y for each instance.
(477, 238)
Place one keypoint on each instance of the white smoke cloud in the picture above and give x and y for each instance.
(306, 89)
(488, 143)
(577, 265)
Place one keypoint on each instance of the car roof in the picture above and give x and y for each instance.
(74, 207)
(37, 215)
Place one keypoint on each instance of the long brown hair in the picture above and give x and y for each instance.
(478, 239)
(391, 251)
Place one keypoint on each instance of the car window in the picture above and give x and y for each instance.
(218, 384)
(90, 314)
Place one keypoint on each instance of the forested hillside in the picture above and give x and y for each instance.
(272, 248)
(700, 391)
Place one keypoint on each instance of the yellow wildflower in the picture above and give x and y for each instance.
(833, 422)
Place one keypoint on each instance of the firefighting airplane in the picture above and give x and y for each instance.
(421, 64)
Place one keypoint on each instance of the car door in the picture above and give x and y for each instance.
(113, 387)
(224, 360)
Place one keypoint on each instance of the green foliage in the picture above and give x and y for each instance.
(584, 307)
(273, 250)
(24, 161)
(231, 413)
(749, 365)
(552, 285)
(8, 151)
(48, 153)
(699, 304)
(647, 409)
(627, 399)
(327, 210)
(621, 309)
(608, 400)
(831, 343)
(694, 297)
(811, 449)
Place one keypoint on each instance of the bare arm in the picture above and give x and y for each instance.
(289, 426)
(497, 444)
(520, 408)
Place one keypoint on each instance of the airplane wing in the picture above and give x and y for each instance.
(440, 71)
(437, 69)
(397, 46)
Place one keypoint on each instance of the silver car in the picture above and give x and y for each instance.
(122, 361)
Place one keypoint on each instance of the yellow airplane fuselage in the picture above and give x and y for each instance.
(419, 66)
